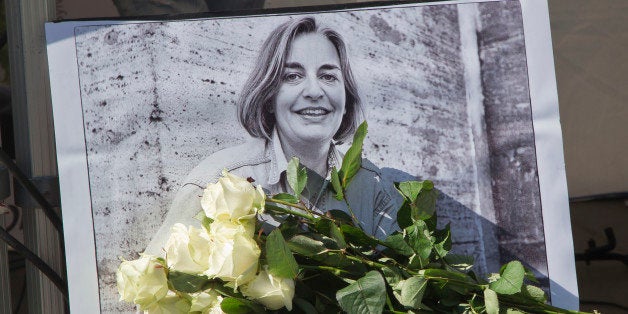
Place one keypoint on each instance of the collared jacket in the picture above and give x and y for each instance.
(264, 161)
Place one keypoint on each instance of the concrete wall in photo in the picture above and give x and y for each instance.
(510, 135)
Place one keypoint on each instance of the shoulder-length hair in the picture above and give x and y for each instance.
(255, 105)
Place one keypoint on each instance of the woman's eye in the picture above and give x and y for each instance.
(328, 78)
(291, 77)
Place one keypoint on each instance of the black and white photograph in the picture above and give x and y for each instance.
(166, 106)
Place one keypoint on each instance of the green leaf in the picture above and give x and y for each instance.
(511, 279)
(535, 293)
(281, 263)
(443, 241)
(409, 189)
(432, 222)
(393, 276)
(365, 295)
(330, 229)
(460, 262)
(396, 242)
(338, 260)
(290, 227)
(162, 261)
(358, 236)
(335, 183)
(412, 292)
(306, 246)
(353, 158)
(530, 276)
(205, 221)
(428, 185)
(305, 306)
(419, 239)
(187, 283)
(240, 306)
(419, 201)
(297, 177)
(219, 286)
(442, 274)
(491, 302)
(340, 216)
(425, 204)
(404, 215)
(200, 215)
(286, 198)
(450, 300)
(417, 262)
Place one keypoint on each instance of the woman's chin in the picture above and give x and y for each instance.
(312, 137)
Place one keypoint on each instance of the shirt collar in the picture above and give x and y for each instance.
(279, 161)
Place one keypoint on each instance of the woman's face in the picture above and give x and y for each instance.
(310, 103)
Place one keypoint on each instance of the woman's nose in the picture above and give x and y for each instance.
(312, 89)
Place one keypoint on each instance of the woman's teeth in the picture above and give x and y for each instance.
(313, 111)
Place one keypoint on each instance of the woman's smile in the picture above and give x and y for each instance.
(314, 111)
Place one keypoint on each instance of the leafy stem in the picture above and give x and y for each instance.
(452, 280)
(355, 219)
(295, 205)
(365, 261)
(333, 270)
(289, 211)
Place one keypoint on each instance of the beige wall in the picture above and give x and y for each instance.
(590, 40)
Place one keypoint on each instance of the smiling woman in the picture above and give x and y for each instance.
(300, 101)
(310, 103)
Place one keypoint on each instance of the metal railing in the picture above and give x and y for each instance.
(20, 248)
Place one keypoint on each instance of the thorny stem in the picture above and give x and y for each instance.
(306, 214)
(471, 304)
(290, 211)
(365, 261)
(389, 303)
(394, 261)
(469, 284)
(307, 209)
(355, 219)
(274, 200)
(334, 270)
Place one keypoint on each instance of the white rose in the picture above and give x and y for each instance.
(187, 250)
(142, 281)
(273, 292)
(232, 198)
(171, 304)
(233, 253)
(207, 302)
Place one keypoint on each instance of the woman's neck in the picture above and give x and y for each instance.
(311, 155)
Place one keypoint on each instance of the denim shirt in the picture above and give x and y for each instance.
(265, 162)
